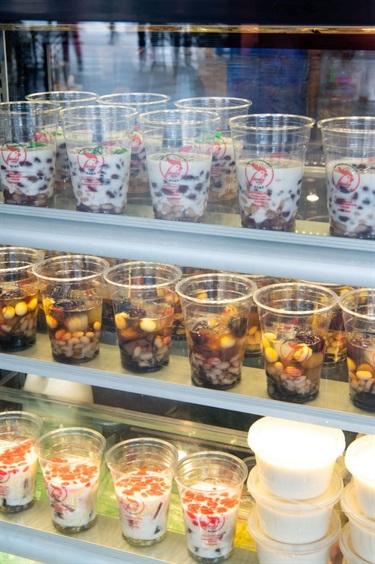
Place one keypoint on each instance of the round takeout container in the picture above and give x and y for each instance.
(362, 529)
(360, 461)
(295, 460)
(346, 547)
(291, 521)
(270, 551)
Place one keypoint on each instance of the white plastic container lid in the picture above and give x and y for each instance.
(351, 509)
(360, 459)
(295, 445)
(327, 499)
(282, 553)
(346, 547)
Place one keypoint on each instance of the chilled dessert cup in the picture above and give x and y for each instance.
(179, 146)
(210, 486)
(291, 521)
(65, 99)
(346, 547)
(18, 460)
(362, 529)
(28, 152)
(98, 139)
(70, 459)
(349, 149)
(358, 311)
(143, 298)
(71, 289)
(360, 461)
(216, 310)
(294, 319)
(223, 185)
(270, 551)
(143, 102)
(270, 154)
(18, 297)
(142, 471)
(295, 460)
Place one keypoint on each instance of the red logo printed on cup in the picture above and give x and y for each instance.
(259, 173)
(132, 505)
(4, 476)
(173, 167)
(219, 149)
(345, 177)
(211, 524)
(137, 143)
(57, 493)
(90, 163)
(13, 153)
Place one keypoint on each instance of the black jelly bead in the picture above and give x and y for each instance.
(67, 304)
(315, 341)
(136, 312)
(16, 293)
(238, 326)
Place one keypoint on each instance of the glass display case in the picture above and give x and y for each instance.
(318, 61)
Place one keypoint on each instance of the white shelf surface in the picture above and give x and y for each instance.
(332, 407)
(31, 534)
(308, 254)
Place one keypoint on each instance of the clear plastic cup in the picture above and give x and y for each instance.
(358, 311)
(18, 460)
(294, 318)
(270, 155)
(295, 460)
(270, 551)
(65, 99)
(142, 471)
(18, 297)
(143, 102)
(349, 149)
(346, 547)
(223, 186)
(291, 521)
(362, 529)
(179, 146)
(28, 152)
(216, 310)
(143, 298)
(360, 461)
(98, 139)
(71, 289)
(210, 485)
(70, 460)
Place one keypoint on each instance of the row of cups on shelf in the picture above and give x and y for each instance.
(294, 317)
(209, 148)
(295, 484)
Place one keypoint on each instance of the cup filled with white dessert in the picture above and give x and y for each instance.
(71, 289)
(28, 152)
(349, 152)
(19, 431)
(18, 297)
(143, 102)
(70, 459)
(270, 155)
(210, 485)
(142, 471)
(179, 146)
(143, 299)
(223, 186)
(98, 139)
(64, 99)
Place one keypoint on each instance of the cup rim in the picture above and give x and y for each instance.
(28, 415)
(159, 99)
(138, 263)
(347, 297)
(221, 275)
(234, 103)
(160, 118)
(68, 114)
(46, 262)
(69, 430)
(143, 440)
(206, 455)
(30, 250)
(306, 122)
(332, 125)
(67, 94)
(24, 107)
(322, 309)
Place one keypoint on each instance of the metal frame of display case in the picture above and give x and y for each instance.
(297, 255)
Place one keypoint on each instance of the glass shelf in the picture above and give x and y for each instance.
(331, 408)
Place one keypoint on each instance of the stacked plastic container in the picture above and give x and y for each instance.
(296, 487)
(357, 540)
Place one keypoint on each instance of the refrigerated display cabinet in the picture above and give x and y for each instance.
(313, 58)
